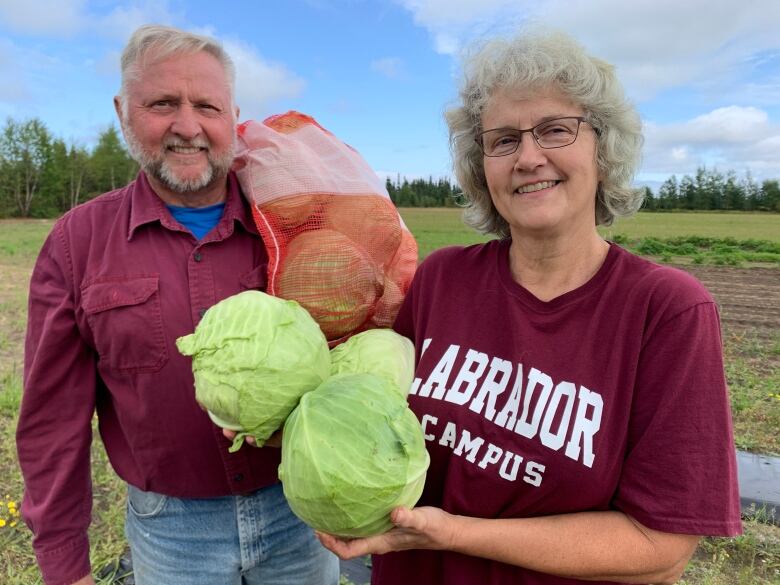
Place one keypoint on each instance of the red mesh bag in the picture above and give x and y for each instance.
(336, 243)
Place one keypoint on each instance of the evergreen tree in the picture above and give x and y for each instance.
(733, 196)
(752, 192)
(714, 188)
(687, 194)
(699, 199)
(668, 194)
(770, 195)
(391, 191)
(110, 165)
(55, 184)
(649, 202)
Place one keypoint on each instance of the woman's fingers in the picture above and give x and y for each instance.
(346, 549)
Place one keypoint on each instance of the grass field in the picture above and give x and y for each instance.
(740, 226)
(753, 558)
(435, 228)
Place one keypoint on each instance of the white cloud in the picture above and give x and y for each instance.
(64, 18)
(43, 17)
(728, 54)
(732, 137)
(122, 21)
(655, 44)
(763, 157)
(259, 82)
(452, 22)
(760, 92)
(729, 125)
(391, 67)
(664, 43)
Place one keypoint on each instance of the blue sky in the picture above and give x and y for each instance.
(705, 74)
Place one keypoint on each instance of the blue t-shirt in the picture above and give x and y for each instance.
(199, 220)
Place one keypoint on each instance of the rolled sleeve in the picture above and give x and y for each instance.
(54, 431)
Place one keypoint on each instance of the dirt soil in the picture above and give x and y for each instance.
(749, 298)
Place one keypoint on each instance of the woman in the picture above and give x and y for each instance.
(572, 395)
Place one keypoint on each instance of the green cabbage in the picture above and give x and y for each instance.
(377, 351)
(351, 452)
(253, 357)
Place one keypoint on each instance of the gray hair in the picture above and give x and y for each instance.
(164, 41)
(538, 62)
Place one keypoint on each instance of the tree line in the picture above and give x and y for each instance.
(709, 189)
(423, 193)
(42, 176)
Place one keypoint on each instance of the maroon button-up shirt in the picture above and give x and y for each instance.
(117, 281)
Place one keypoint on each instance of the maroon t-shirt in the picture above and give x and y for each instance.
(609, 397)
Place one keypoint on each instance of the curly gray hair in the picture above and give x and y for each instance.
(537, 62)
(165, 41)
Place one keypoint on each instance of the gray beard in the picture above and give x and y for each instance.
(155, 165)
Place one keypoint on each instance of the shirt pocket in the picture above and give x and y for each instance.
(255, 279)
(126, 320)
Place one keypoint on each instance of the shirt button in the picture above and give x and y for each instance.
(198, 257)
(238, 477)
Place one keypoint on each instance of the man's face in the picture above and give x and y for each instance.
(179, 124)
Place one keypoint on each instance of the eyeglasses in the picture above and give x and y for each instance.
(555, 133)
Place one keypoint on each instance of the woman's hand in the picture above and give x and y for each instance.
(274, 440)
(421, 528)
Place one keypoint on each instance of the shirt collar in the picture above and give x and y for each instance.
(147, 207)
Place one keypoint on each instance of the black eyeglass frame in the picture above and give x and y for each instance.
(520, 132)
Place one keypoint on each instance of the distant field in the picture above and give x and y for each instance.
(21, 239)
(435, 227)
(737, 225)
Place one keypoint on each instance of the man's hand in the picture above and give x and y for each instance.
(423, 528)
(274, 440)
(88, 580)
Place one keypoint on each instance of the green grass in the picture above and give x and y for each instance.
(736, 225)
(20, 240)
(704, 250)
(753, 373)
(10, 390)
(435, 228)
(751, 367)
(749, 559)
(753, 238)
(17, 563)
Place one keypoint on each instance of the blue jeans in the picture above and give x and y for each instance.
(234, 540)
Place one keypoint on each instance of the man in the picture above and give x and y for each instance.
(117, 281)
